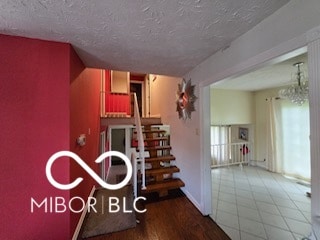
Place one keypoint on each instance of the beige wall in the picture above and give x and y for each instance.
(231, 107)
(163, 97)
(243, 109)
(236, 108)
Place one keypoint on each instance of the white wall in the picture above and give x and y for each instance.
(280, 33)
(231, 107)
(284, 31)
(184, 134)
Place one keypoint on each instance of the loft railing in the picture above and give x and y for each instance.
(230, 154)
(141, 157)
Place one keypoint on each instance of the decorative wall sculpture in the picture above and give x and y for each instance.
(185, 99)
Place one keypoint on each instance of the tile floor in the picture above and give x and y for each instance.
(252, 203)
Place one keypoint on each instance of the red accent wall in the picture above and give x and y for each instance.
(34, 121)
(84, 119)
(115, 102)
(137, 77)
(47, 98)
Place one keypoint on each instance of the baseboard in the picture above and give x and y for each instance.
(83, 215)
(192, 200)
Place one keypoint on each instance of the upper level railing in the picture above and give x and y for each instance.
(230, 154)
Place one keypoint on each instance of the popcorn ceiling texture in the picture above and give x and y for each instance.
(168, 37)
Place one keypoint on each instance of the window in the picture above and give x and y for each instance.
(220, 140)
(295, 131)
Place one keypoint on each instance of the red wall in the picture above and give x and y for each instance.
(47, 99)
(115, 102)
(34, 120)
(84, 119)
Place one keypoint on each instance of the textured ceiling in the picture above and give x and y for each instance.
(271, 76)
(168, 37)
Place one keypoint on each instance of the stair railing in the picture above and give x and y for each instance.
(141, 156)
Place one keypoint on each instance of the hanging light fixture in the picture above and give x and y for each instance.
(297, 93)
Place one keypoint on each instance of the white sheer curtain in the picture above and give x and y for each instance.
(288, 145)
(274, 148)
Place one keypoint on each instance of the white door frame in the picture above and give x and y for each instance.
(143, 92)
(284, 51)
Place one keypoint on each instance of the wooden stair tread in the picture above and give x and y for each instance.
(160, 158)
(146, 148)
(166, 147)
(155, 139)
(162, 170)
(154, 131)
(164, 185)
(152, 125)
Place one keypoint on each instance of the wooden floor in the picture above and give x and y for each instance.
(173, 218)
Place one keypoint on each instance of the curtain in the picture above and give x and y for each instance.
(288, 145)
(273, 136)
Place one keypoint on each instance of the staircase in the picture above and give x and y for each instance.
(159, 168)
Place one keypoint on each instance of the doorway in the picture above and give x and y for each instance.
(253, 202)
(137, 88)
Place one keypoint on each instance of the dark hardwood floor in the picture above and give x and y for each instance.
(170, 218)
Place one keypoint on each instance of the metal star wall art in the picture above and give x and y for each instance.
(185, 99)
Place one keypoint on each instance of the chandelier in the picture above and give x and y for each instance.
(297, 93)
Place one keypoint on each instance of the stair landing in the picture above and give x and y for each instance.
(106, 121)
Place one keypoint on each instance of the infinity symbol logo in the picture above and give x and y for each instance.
(76, 182)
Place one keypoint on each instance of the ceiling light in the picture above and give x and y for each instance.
(297, 93)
